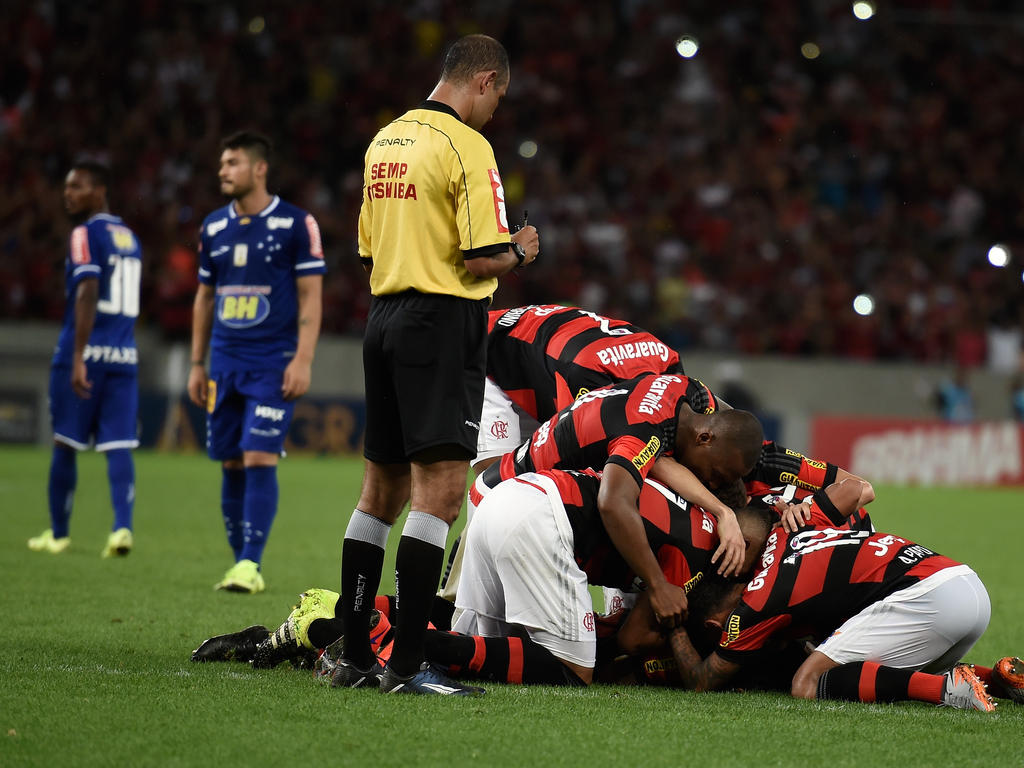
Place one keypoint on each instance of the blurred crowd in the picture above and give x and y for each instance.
(736, 200)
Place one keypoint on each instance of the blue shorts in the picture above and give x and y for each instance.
(109, 416)
(246, 412)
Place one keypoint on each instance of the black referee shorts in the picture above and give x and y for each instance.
(424, 362)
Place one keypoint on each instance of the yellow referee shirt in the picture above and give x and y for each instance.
(432, 197)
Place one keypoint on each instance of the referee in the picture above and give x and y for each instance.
(433, 237)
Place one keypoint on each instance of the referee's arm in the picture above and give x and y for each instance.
(502, 262)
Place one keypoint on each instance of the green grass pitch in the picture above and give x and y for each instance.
(95, 670)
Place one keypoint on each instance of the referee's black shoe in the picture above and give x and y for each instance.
(428, 680)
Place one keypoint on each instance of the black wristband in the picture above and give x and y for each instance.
(520, 253)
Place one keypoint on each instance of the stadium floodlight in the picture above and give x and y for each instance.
(863, 304)
(687, 46)
(528, 149)
(998, 255)
(863, 9)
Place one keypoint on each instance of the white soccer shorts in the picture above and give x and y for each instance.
(928, 626)
(503, 424)
(519, 569)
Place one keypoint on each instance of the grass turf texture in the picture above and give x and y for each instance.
(96, 671)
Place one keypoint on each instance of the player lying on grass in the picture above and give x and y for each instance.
(892, 618)
(538, 541)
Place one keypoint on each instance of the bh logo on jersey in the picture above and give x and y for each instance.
(242, 310)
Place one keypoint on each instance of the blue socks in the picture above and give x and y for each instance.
(121, 474)
(260, 508)
(232, 505)
(61, 489)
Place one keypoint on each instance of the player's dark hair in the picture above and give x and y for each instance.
(733, 495)
(98, 172)
(741, 430)
(472, 54)
(256, 145)
(755, 518)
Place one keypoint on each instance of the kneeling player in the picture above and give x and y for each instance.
(540, 538)
(888, 613)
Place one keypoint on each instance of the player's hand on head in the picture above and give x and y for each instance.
(296, 380)
(794, 516)
(669, 604)
(197, 385)
(731, 548)
(530, 240)
(80, 380)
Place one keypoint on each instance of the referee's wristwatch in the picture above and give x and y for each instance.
(519, 251)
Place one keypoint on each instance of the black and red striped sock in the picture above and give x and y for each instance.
(867, 681)
(497, 659)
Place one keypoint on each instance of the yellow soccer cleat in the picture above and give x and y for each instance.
(45, 542)
(243, 576)
(290, 641)
(119, 543)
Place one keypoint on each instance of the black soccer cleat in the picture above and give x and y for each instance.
(237, 646)
(345, 674)
(429, 680)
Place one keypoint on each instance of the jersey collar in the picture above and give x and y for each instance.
(232, 213)
(437, 106)
(103, 216)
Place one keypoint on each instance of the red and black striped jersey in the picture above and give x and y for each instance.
(682, 536)
(779, 467)
(631, 424)
(545, 356)
(813, 580)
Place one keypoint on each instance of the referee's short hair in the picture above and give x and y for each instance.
(256, 145)
(474, 53)
(98, 172)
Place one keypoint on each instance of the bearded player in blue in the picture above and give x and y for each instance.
(258, 311)
(94, 391)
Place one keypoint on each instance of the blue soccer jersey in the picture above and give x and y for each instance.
(253, 262)
(105, 249)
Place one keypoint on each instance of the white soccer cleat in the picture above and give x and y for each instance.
(964, 690)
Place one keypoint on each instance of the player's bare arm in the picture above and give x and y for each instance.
(299, 373)
(867, 492)
(846, 494)
(202, 324)
(504, 262)
(795, 516)
(696, 673)
(617, 502)
(729, 555)
(86, 298)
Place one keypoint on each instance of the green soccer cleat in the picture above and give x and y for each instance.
(244, 576)
(45, 542)
(290, 641)
(313, 604)
(119, 543)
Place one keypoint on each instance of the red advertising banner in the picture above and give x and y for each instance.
(920, 452)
